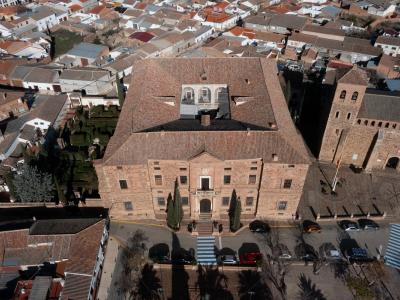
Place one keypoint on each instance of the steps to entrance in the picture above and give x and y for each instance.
(205, 250)
(205, 228)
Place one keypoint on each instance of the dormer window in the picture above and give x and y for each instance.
(354, 96)
(205, 95)
(188, 96)
(342, 94)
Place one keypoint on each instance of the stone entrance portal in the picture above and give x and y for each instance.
(205, 206)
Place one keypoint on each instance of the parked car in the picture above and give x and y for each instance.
(250, 258)
(259, 226)
(329, 252)
(306, 252)
(358, 255)
(182, 257)
(347, 225)
(310, 227)
(281, 251)
(227, 260)
(367, 224)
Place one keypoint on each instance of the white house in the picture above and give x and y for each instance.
(45, 18)
(390, 45)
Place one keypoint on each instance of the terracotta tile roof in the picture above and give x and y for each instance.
(97, 9)
(238, 31)
(388, 40)
(355, 76)
(9, 96)
(84, 248)
(140, 5)
(76, 287)
(217, 17)
(252, 78)
(75, 7)
(142, 36)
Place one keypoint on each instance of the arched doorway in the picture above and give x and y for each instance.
(392, 163)
(205, 206)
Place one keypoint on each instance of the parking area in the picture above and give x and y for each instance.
(300, 275)
(371, 240)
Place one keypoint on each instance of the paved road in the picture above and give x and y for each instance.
(371, 240)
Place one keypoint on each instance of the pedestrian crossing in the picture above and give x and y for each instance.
(392, 257)
(205, 250)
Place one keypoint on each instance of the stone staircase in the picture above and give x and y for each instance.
(205, 250)
(204, 228)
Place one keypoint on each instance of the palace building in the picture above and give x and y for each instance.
(363, 126)
(215, 125)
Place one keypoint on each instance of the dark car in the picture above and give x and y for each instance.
(227, 259)
(358, 256)
(250, 258)
(367, 224)
(349, 225)
(310, 226)
(306, 252)
(159, 253)
(183, 257)
(259, 226)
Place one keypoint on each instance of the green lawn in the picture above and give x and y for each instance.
(65, 41)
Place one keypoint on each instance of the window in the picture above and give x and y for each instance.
(394, 126)
(158, 179)
(387, 125)
(354, 96)
(205, 95)
(373, 123)
(282, 205)
(128, 205)
(337, 131)
(227, 179)
(348, 116)
(227, 169)
(119, 167)
(225, 201)
(185, 201)
(358, 121)
(157, 168)
(156, 163)
(183, 179)
(252, 179)
(253, 168)
(342, 94)
(287, 183)
(249, 201)
(337, 115)
(182, 169)
(161, 201)
(123, 184)
(366, 122)
(380, 124)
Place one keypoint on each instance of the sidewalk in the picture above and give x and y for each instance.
(357, 194)
(108, 268)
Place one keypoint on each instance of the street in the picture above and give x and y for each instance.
(289, 236)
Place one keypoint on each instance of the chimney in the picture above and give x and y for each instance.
(205, 120)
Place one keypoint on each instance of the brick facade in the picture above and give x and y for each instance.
(352, 137)
(253, 148)
(142, 192)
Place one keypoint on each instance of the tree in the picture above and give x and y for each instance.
(361, 287)
(60, 192)
(308, 290)
(178, 204)
(32, 185)
(174, 208)
(120, 91)
(133, 260)
(235, 209)
(171, 220)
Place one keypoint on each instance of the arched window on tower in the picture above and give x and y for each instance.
(343, 94)
(354, 96)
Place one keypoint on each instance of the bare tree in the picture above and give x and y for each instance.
(274, 268)
(133, 260)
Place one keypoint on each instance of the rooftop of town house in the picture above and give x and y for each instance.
(250, 116)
